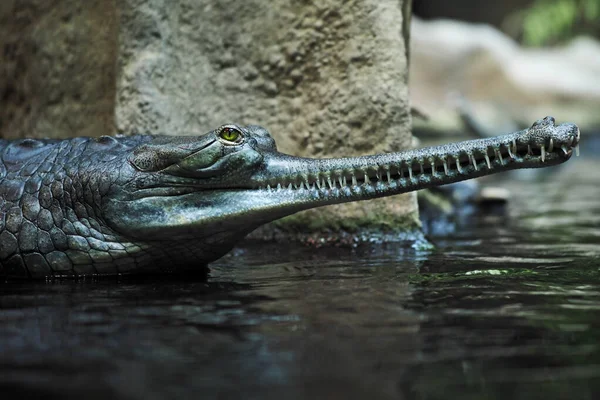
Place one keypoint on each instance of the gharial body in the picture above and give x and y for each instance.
(148, 204)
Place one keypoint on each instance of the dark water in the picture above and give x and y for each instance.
(508, 307)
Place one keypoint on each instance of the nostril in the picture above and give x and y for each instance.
(543, 122)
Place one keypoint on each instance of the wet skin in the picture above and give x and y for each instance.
(160, 204)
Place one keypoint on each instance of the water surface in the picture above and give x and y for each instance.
(507, 307)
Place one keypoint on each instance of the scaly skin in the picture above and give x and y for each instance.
(148, 204)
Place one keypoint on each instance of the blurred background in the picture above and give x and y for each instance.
(494, 68)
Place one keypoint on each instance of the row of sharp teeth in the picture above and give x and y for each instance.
(551, 147)
(342, 181)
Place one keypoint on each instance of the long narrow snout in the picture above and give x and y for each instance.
(280, 184)
(316, 182)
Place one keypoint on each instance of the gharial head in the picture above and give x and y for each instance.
(190, 187)
(231, 180)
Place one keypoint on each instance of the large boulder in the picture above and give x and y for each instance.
(325, 80)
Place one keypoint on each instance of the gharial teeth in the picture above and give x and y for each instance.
(564, 149)
(290, 186)
(342, 184)
(389, 176)
(487, 160)
(445, 167)
(543, 153)
(577, 151)
(367, 179)
(354, 183)
(472, 157)
(510, 153)
(499, 155)
(551, 147)
(329, 182)
(458, 167)
(410, 175)
(529, 150)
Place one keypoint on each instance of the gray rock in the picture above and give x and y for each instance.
(57, 74)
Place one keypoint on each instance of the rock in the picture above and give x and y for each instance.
(57, 68)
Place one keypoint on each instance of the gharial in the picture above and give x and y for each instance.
(147, 204)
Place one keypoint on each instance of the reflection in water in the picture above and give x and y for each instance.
(508, 307)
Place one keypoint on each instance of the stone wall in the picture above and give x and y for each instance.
(327, 78)
(320, 77)
(57, 68)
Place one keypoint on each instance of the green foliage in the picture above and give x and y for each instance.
(552, 21)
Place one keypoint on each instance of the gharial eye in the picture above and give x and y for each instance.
(230, 134)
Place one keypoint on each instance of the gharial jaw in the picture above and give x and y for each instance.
(299, 183)
(280, 185)
(254, 184)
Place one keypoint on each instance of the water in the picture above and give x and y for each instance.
(507, 307)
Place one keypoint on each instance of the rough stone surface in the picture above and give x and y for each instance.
(320, 77)
(325, 80)
(57, 68)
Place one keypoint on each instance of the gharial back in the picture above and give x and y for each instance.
(50, 194)
(30, 157)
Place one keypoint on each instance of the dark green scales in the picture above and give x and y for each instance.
(153, 204)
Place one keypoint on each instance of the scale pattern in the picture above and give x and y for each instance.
(50, 191)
